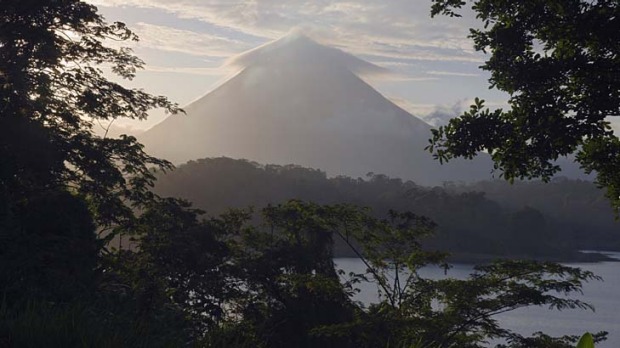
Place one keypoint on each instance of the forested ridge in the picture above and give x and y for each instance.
(493, 218)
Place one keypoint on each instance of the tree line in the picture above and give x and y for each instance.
(528, 219)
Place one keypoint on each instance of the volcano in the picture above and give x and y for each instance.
(295, 101)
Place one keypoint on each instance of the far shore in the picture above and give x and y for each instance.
(576, 257)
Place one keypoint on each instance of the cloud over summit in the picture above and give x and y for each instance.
(300, 49)
(426, 61)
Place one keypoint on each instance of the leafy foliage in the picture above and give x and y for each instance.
(226, 281)
(586, 341)
(180, 262)
(60, 183)
(270, 280)
(48, 250)
(52, 93)
(392, 248)
(286, 268)
(559, 61)
(452, 312)
(79, 324)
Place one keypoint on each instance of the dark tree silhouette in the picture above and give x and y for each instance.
(560, 62)
(53, 92)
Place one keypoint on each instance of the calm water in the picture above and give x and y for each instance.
(604, 295)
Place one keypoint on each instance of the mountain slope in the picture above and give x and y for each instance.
(296, 101)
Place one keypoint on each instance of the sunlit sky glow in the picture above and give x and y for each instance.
(186, 44)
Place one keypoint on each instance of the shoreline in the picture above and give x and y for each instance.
(590, 256)
(576, 257)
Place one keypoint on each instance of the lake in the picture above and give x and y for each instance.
(603, 295)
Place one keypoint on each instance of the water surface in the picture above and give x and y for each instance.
(603, 295)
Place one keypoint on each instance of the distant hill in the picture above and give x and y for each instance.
(577, 206)
(470, 221)
(297, 101)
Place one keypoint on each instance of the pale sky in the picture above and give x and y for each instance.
(186, 44)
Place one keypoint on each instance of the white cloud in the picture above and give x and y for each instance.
(390, 64)
(183, 41)
(187, 70)
(396, 29)
(396, 77)
(614, 122)
(451, 73)
(413, 108)
(441, 114)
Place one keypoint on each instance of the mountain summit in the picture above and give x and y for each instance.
(299, 50)
(297, 101)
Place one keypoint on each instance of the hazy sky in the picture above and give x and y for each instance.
(186, 44)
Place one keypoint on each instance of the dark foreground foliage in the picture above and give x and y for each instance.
(269, 280)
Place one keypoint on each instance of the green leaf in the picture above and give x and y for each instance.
(586, 341)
